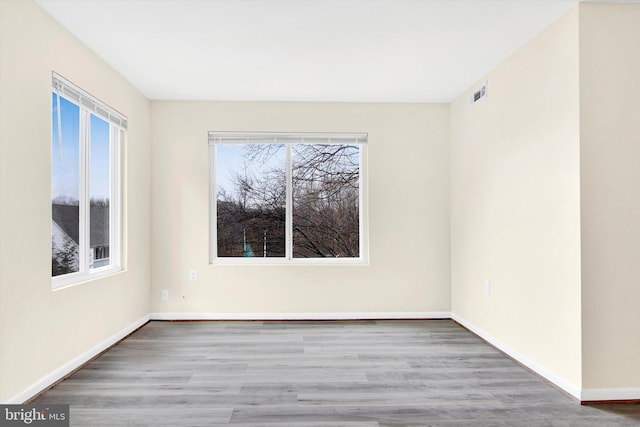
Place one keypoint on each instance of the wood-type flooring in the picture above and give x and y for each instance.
(317, 373)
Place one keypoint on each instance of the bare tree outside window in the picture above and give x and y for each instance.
(326, 200)
(251, 200)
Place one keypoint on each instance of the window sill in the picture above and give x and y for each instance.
(329, 262)
(70, 280)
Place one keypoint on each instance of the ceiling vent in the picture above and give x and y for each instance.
(479, 94)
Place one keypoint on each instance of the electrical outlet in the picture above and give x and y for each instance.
(487, 288)
(165, 294)
(193, 275)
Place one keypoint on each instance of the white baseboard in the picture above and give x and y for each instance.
(537, 368)
(584, 395)
(601, 394)
(303, 316)
(64, 370)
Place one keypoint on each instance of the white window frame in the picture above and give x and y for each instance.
(89, 105)
(288, 139)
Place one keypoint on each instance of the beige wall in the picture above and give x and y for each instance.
(610, 199)
(408, 173)
(41, 330)
(533, 189)
(515, 207)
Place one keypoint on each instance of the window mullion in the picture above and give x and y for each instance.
(213, 205)
(289, 205)
(114, 195)
(361, 201)
(84, 210)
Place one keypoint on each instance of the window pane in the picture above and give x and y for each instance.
(326, 212)
(65, 187)
(99, 192)
(250, 200)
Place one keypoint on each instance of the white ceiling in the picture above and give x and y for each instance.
(305, 50)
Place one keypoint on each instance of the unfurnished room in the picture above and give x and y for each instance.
(319, 213)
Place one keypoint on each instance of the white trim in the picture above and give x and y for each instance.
(85, 271)
(115, 205)
(287, 140)
(213, 206)
(363, 208)
(529, 363)
(599, 394)
(84, 222)
(288, 212)
(291, 261)
(64, 370)
(303, 316)
(584, 395)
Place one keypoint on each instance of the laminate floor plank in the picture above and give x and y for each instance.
(317, 373)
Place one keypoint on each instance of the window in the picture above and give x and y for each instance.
(287, 197)
(85, 185)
